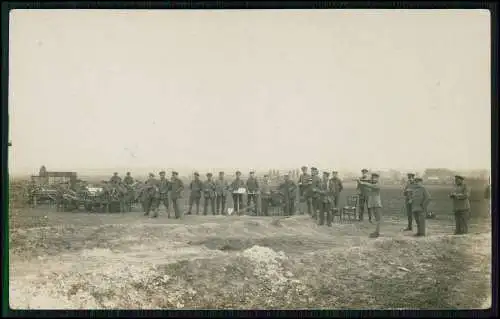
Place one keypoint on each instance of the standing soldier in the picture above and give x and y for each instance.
(363, 194)
(115, 178)
(221, 187)
(265, 196)
(128, 180)
(196, 188)
(335, 186)
(177, 187)
(372, 191)
(288, 190)
(461, 205)
(237, 197)
(151, 196)
(420, 199)
(407, 194)
(252, 191)
(325, 199)
(209, 194)
(164, 188)
(316, 189)
(305, 192)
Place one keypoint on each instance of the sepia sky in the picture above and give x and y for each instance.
(255, 89)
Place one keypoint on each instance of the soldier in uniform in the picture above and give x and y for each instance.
(363, 194)
(265, 196)
(419, 199)
(196, 187)
(252, 191)
(164, 188)
(305, 192)
(237, 198)
(128, 180)
(325, 199)
(461, 205)
(209, 195)
(316, 190)
(115, 178)
(335, 186)
(372, 191)
(151, 196)
(407, 194)
(221, 187)
(288, 190)
(177, 187)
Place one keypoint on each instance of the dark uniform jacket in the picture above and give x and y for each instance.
(316, 186)
(265, 190)
(196, 188)
(177, 187)
(461, 200)
(335, 185)
(128, 180)
(209, 189)
(419, 198)
(288, 189)
(164, 186)
(221, 187)
(252, 185)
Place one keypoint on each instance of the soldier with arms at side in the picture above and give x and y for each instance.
(115, 178)
(209, 195)
(316, 191)
(325, 196)
(252, 192)
(407, 192)
(461, 205)
(164, 188)
(196, 188)
(420, 199)
(335, 187)
(221, 188)
(288, 190)
(305, 191)
(177, 187)
(265, 196)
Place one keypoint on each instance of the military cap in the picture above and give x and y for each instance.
(410, 174)
(326, 173)
(196, 174)
(304, 167)
(220, 173)
(162, 173)
(238, 173)
(364, 170)
(252, 172)
(334, 172)
(459, 177)
(128, 173)
(151, 175)
(175, 173)
(375, 175)
(314, 169)
(115, 173)
(418, 179)
(209, 174)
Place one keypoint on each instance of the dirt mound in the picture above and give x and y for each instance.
(384, 273)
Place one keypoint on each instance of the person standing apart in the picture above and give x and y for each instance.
(335, 187)
(374, 201)
(237, 197)
(209, 195)
(265, 196)
(407, 194)
(305, 191)
(420, 199)
(196, 188)
(461, 205)
(252, 192)
(221, 188)
(176, 187)
(363, 194)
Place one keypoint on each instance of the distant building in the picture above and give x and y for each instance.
(46, 177)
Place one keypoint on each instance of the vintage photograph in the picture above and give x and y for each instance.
(249, 159)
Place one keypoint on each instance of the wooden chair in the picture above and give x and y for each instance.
(349, 211)
(336, 212)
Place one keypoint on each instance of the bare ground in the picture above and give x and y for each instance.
(81, 261)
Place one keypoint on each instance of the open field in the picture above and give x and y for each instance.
(81, 260)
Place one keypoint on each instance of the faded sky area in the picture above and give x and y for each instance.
(249, 89)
